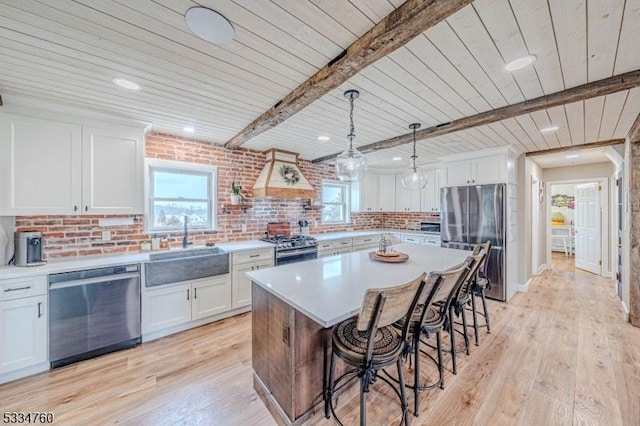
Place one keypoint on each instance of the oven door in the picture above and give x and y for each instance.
(284, 258)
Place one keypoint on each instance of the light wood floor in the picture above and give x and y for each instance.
(560, 354)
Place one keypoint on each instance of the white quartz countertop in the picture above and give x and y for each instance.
(72, 264)
(331, 289)
(244, 245)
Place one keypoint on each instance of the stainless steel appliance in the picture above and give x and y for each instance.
(28, 248)
(294, 249)
(93, 312)
(430, 227)
(473, 215)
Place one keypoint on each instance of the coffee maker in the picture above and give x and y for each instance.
(28, 248)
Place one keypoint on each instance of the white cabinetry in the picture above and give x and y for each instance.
(387, 192)
(242, 262)
(175, 307)
(365, 194)
(477, 171)
(334, 247)
(430, 196)
(406, 201)
(366, 242)
(23, 327)
(412, 239)
(51, 167)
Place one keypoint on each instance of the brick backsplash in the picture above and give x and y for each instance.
(81, 235)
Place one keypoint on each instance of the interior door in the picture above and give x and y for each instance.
(588, 228)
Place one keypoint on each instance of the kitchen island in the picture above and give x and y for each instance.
(295, 306)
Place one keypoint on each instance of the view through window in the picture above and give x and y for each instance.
(335, 202)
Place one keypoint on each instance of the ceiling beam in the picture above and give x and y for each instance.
(594, 89)
(408, 21)
(599, 144)
(634, 132)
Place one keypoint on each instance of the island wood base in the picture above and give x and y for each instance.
(289, 356)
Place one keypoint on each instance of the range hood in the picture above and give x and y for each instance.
(281, 177)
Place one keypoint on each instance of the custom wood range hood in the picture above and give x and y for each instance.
(282, 178)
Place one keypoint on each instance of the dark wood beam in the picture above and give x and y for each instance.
(594, 89)
(599, 144)
(634, 132)
(408, 21)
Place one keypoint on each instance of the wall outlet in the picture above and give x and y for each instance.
(244, 227)
(315, 223)
(106, 235)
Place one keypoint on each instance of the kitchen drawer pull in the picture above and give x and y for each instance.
(344, 243)
(195, 293)
(187, 294)
(254, 255)
(17, 289)
(86, 208)
(39, 309)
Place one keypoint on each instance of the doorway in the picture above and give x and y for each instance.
(578, 225)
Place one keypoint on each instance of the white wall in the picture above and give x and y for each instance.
(626, 243)
(529, 172)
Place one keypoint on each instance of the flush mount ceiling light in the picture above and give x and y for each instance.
(189, 129)
(572, 156)
(209, 25)
(549, 129)
(520, 63)
(323, 138)
(397, 158)
(413, 178)
(126, 84)
(351, 164)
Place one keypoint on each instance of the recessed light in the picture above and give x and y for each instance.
(397, 158)
(189, 129)
(572, 156)
(518, 64)
(127, 84)
(323, 138)
(549, 129)
(209, 25)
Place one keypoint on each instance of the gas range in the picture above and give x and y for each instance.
(294, 249)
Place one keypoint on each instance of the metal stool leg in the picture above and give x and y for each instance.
(440, 364)
(452, 336)
(329, 392)
(475, 317)
(486, 312)
(416, 374)
(403, 394)
(363, 400)
(464, 328)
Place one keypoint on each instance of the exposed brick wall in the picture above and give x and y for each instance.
(81, 235)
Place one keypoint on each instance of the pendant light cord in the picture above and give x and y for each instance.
(414, 156)
(352, 130)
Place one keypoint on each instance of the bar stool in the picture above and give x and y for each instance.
(428, 319)
(481, 284)
(370, 343)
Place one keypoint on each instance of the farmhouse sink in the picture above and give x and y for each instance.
(185, 264)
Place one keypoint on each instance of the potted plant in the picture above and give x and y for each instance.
(236, 195)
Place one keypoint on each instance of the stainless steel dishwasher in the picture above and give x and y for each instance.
(93, 312)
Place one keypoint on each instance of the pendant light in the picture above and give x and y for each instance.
(351, 164)
(414, 178)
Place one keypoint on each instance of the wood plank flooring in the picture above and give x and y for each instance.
(558, 355)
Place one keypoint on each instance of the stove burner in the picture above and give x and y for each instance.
(290, 243)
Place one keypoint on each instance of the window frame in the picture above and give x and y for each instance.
(346, 200)
(179, 167)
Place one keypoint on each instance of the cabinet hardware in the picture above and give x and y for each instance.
(86, 208)
(252, 268)
(257, 266)
(254, 255)
(195, 293)
(75, 208)
(187, 294)
(39, 309)
(286, 333)
(17, 289)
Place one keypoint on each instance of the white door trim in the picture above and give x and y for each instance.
(605, 226)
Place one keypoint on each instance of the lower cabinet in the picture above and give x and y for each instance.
(174, 305)
(23, 326)
(241, 263)
(334, 247)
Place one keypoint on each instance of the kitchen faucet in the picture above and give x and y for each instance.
(185, 235)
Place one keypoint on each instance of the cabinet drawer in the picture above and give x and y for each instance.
(431, 241)
(366, 241)
(252, 256)
(16, 288)
(335, 244)
(413, 239)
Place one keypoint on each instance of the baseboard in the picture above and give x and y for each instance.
(24, 372)
(625, 311)
(524, 288)
(542, 268)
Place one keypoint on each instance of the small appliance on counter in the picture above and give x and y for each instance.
(304, 227)
(28, 248)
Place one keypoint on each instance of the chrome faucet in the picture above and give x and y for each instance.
(185, 235)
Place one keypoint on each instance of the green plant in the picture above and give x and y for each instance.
(235, 190)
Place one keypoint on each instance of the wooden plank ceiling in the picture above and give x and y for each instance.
(68, 51)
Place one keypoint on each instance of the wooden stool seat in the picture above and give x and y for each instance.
(350, 343)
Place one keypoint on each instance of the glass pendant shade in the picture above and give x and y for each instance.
(413, 178)
(351, 164)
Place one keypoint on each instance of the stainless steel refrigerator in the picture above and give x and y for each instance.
(476, 214)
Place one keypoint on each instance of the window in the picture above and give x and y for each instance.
(177, 190)
(335, 202)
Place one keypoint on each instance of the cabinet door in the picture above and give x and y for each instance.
(406, 201)
(488, 170)
(430, 196)
(412, 239)
(211, 296)
(370, 193)
(457, 173)
(23, 333)
(166, 307)
(40, 167)
(112, 173)
(241, 285)
(387, 193)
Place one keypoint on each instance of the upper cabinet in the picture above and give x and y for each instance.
(486, 167)
(365, 194)
(387, 193)
(406, 201)
(57, 168)
(430, 196)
